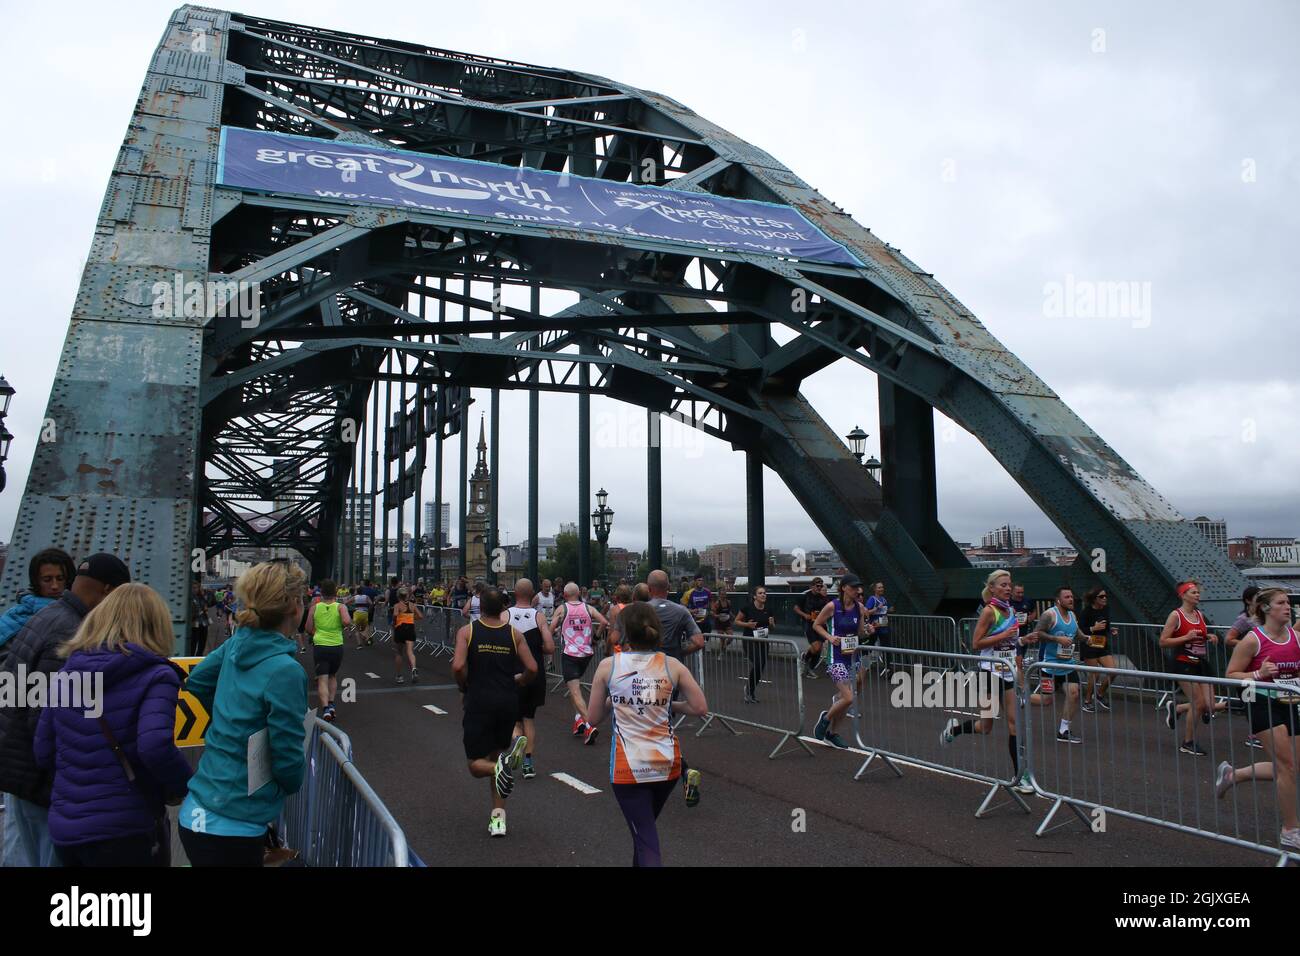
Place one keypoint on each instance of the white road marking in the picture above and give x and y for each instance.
(375, 676)
(575, 783)
(436, 710)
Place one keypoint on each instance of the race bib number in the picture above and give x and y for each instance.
(760, 632)
(882, 621)
(1006, 660)
(1290, 686)
(1021, 617)
(1097, 640)
(848, 644)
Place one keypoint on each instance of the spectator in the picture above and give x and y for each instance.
(256, 692)
(114, 761)
(36, 649)
(49, 573)
(199, 604)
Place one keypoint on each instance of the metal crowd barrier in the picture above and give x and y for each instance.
(900, 717)
(753, 681)
(920, 632)
(336, 818)
(1129, 763)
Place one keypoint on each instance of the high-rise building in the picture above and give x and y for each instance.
(1006, 538)
(446, 521)
(1215, 529)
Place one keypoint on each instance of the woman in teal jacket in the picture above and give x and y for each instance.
(256, 692)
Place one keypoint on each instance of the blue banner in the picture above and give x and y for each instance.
(347, 172)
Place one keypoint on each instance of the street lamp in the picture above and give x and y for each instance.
(858, 442)
(6, 393)
(873, 466)
(602, 520)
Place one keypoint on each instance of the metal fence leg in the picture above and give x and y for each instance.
(993, 792)
(874, 755)
(776, 751)
(1045, 828)
(710, 718)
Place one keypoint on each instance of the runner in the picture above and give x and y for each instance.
(596, 596)
(1096, 648)
(574, 620)
(759, 619)
(1056, 633)
(809, 606)
(405, 613)
(492, 662)
(301, 635)
(1186, 636)
(679, 634)
(546, 599)
(1240, 628)
(529, 621)
(877, 606)
(996, 639)
(645, 760)
(459, 593)
(722, 617)
(325, 625)
(362, 602)
(1269, 655)
(614, 639)
(471, 610)
(841, 623)
(698, 600)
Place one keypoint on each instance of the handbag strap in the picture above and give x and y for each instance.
(117, 749)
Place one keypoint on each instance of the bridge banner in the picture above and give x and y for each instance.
(257, 161)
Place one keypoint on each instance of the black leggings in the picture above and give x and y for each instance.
(641, 804)
(204, 849)
(756, 654)
(198, 641)
(138, 850)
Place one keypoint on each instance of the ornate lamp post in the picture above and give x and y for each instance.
(6, 393)
(858, 443)
(602, 520)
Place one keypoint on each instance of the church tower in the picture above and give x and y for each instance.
(476, 522)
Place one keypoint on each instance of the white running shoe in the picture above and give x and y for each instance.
(1223, 783)
(497, 825)
(946, 736)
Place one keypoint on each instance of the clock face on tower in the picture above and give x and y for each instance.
(479, 509)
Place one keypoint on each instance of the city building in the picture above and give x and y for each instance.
(429, 516)
(1006, 538)
(1215, 529)
(476, 522)
(1242, 551)
(1273, 551)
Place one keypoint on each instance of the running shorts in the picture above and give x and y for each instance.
(532, 696)
(1093, 653)
(574, 668)
(1268, 712)
(327, 659)
(361, 619)
(404, 633)
(488, 732)
(1069, 677)
(1193, 668)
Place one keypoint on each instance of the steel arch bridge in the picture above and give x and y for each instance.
(171, 426)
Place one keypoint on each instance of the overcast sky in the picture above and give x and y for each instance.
(1005, 147)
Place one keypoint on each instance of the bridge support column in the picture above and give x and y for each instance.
(464, 478)
(494, 498)
(440, 407)
(754, 518)
(535, 445)
(654, 493)
(584, 478)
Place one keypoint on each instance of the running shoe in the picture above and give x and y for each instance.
(328, 713)
(529, 772)
(1087, 707)
(502, 779)
(515, 755)
(692, 788)
(590, 736)
(302, 650)
(1191, 747)
(835, 740)
(1223, 783)
(1291, 839)
(1169, 714)
(1068, 737)
(1101, 702)
(946, 736)
(1023, 785)
(853, 713)
(1253, 743)
(578, 726)
(750, 698)
(370, 642)
(415, 675)
(401, 679)
(823, 724)
(497, 825)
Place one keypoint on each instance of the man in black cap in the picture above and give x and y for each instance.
(36, 648)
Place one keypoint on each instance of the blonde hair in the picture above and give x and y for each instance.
(268, 592)
(990, 581)
(131, 614)
(1259, 605)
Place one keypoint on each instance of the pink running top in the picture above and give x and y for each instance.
(576, 629)
(1286, 656)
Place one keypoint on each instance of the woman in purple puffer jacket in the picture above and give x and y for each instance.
(107, 734)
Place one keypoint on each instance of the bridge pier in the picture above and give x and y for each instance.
(754, 518)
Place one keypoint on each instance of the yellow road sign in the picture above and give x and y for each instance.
(191, 717)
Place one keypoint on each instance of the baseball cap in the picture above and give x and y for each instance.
(105, 568)
(850, 581)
